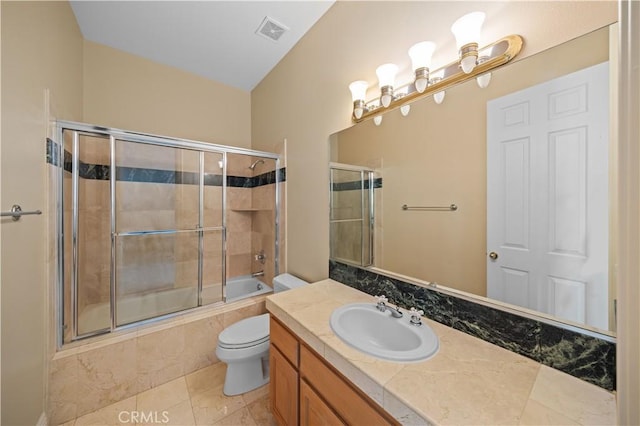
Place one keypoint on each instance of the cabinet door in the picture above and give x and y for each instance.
(283, 388)
(353, 407)
(313, 410)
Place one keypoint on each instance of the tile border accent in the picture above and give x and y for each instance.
(356, 185)
(134, 174)
(586, 357)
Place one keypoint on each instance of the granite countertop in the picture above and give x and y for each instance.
(469, 381)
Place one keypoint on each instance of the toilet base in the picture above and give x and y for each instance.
(245, 376)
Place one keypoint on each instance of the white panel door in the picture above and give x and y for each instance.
(547, 197)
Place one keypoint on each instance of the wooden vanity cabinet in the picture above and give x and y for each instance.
(306, 390)
(283, 374)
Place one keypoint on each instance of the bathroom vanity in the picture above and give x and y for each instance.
(325, 396)
(316, 378)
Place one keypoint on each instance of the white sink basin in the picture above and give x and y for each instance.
(376, 333)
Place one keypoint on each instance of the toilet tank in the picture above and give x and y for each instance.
(284, 282)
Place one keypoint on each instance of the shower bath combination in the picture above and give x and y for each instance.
(127, 248)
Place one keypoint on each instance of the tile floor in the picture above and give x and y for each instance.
(194, 399)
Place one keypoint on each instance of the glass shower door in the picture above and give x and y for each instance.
(351, 217)
(213, 228)
(158, 236)
(86, 233)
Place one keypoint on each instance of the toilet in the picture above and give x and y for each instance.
(244, 346)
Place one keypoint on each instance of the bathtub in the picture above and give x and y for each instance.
(145, 306)
(245, 286)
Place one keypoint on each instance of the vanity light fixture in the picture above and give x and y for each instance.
(467, 32)
(420, 54)
(358, 94)
(386, 78)
(472, 62)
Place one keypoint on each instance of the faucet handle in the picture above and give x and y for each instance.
(416, 315)
(382, 299)
(382, 303)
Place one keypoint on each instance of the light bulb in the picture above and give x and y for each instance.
(467, 28)
(484, 80)
(421, 84)
(386, 75)
(438, 97)
(377, 120)
(404, 110)
(468, 63)
(358, 92)
(467, 32)
(420, 54)
(386, 99)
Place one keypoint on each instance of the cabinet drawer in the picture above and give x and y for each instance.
(353, 407)
(285, 341)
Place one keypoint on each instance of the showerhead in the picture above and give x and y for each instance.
(255, 163)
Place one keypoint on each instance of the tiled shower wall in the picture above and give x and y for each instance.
(251, 217)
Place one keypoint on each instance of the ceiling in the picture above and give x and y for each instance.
(213, 39)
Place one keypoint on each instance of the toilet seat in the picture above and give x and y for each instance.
(245, 333)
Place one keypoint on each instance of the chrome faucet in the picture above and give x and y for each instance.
(381, 305)
(257, 274)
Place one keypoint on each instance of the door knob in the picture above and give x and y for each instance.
(493, 255)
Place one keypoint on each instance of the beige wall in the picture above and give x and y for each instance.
(129, 92)
(429, 158)
(41, 49)
(305, 98)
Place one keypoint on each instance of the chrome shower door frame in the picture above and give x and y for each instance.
(78, 129)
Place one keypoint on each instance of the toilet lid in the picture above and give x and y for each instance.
(246, 332)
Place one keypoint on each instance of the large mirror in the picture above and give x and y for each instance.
(528, 163)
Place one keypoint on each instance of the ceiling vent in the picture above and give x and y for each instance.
(271, 29)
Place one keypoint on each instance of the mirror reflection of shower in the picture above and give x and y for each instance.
(177, 226)
(352, 217)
